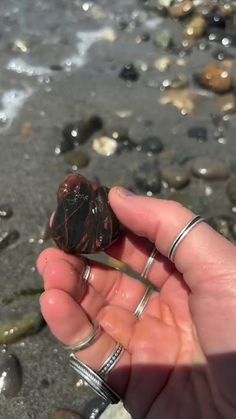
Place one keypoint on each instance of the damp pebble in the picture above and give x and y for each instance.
(78, 132)
(26, 129)
(198, 133)
(196, 27)
(105, 146)
(176, 177)
(147, 177)
(143, 37)
(227, 104)
(19, 46)
(231, 190)
(222, 55)
(6, 211)
(216, 78)
(182, 9)
(77, 158)
(10, 375)
(18, 326)
(216, 20)
(163, 39)
(162, 64)
(65, 414)
(210, 169)
(151, 145)
(129, 73)
(8, 237)
(184, 100)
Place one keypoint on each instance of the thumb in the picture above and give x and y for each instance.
(161, 222)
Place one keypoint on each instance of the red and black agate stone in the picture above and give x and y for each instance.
(83, 221)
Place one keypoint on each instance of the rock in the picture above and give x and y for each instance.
(77, 159)
(19, 325)
(147, 177)
(163, 39)
(182, 99)
(143, 37)
(162, 64)
(197, 204)
(7, 238)
(56, 67)
(196, 28)
(216, 20)
(10, 375)
(181, 10)
(199, 133)
(151, 145)
(226, 9)
(78, 132)
(222, 55)
(129, 73)
(26, 129)
(65, 414)
(231, 190)
(210, 169)
(105, 146)
(227, 104)
(216, 78)
(6, 211)
(176, 177)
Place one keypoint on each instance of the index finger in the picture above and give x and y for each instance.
(161, 221)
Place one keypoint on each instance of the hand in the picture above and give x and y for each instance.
(180, 356)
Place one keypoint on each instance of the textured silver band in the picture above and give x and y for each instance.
(149, 264)
(94, 335)
(182, 235)
(87, 272)
(111, 361)
(94, 381)
(140, 308)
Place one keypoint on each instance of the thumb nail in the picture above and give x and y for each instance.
(125, 192)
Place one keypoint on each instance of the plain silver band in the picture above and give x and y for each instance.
(94, 335)
(111, 361)
(149, 264)
(182, 235)
(87, 272)
(140, 308)
(95, 382)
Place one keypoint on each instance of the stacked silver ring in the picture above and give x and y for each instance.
(94, 381)
(111, 361)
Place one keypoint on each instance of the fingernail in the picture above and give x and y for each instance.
(124, 192)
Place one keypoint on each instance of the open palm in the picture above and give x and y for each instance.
(180, 355)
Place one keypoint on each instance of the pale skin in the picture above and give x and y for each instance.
(180, 356)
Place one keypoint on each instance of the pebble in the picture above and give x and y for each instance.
(163, 39)
(231, 190)
(222, 55)
(162, 64)
(227, 104)
(8, 237)
(77, 158)
(19, 325)
(105, 146)
(151, 145)
(198, 133)
(196, 28)
(65, 414)
(182, 9)
(176, 177)
(10, 375)
(210, 169)
(78, 132)
(216, 20)
(182, 99)
(6, 211)
(147, 177)
(129, 73)
(195, 203)
(26, 129)
(143, 37)
(216, 78)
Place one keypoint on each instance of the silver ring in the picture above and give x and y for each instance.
(140, 308)
(92, 338)
(111, 361)
(149, 264)
(94, 381)
(87, 272)
(182, 235)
